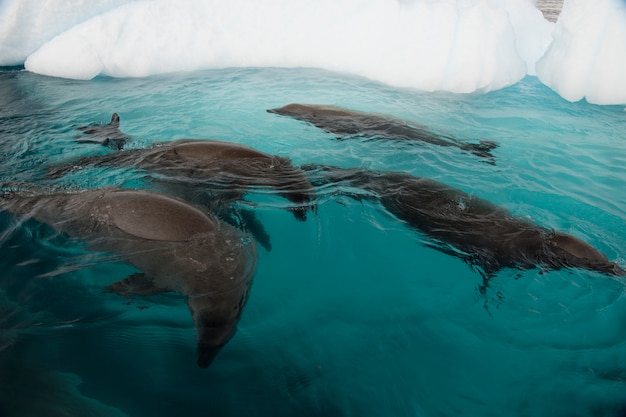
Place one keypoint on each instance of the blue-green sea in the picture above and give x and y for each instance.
(351, 313)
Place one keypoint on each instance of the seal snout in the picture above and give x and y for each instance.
(617, 270)
(292, 109)
(206, 355)
(212, 333)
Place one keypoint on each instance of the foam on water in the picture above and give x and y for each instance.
(452, 45)
(351, 313)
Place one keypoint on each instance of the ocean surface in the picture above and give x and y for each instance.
(351, 313)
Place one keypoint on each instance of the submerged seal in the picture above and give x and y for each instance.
(345, 122)
(176, 246)
(222, 168)
(108, 135)
(482, 233)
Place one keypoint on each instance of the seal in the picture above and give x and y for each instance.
(352, 123)
(476, 230)
(176, 246)
(108, 135)
(223, 169)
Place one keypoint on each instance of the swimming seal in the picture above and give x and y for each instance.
(223, 168)
(482, 233)
(176, 246)
(345, 122)
(108, 135)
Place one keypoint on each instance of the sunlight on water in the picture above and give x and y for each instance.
(351, 312)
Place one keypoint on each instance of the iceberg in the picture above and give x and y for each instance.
(451, 45)
(25, 25)
(460, 46)
(587, 58)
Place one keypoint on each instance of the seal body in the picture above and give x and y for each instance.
(176, 246)
(481, 232)
(222, 168)
(346, 123)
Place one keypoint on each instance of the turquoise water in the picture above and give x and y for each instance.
(350, 313)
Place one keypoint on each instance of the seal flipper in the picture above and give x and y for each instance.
(137, 283)
(252, 224)
(115, 144)
(247, 221)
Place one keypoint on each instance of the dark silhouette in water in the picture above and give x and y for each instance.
(175, 246)
(187, 167)
(345, 122)
(480, 232)
(106, 135)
